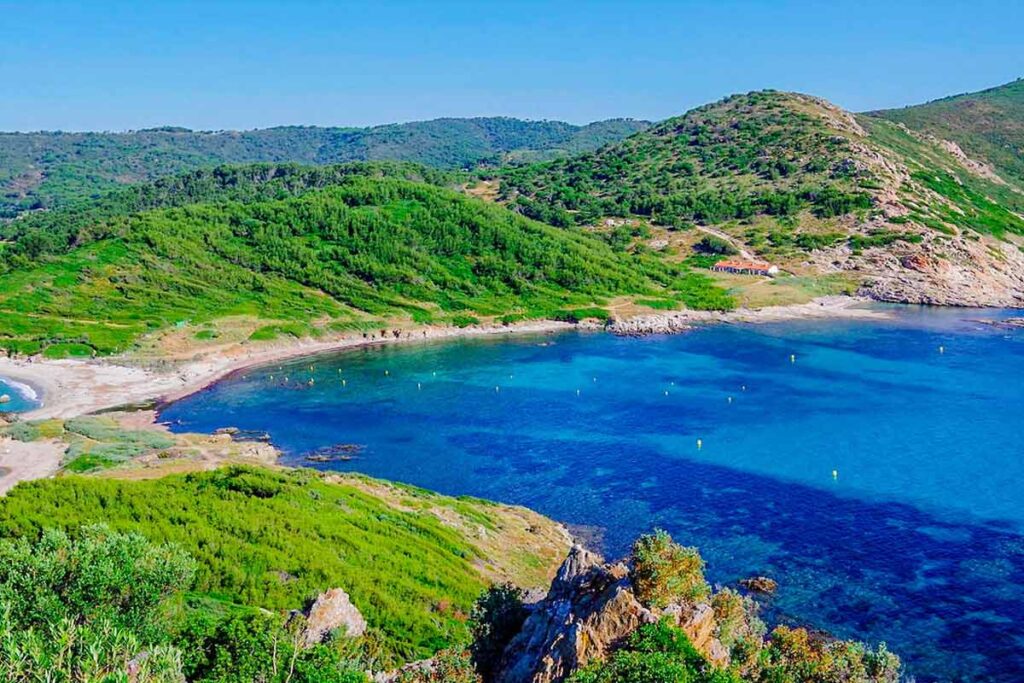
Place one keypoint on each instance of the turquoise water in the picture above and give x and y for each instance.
(876, 478)
(23, 397)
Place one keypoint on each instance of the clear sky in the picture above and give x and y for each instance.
(109, 65)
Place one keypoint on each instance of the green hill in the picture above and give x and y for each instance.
(307, 251)
(987, 125)
(764, 152)
(792, 179)
(41, 170)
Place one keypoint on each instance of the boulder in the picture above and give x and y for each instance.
(760, 584)
(330, 612)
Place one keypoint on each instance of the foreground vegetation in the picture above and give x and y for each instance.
(93, 603)
(272, 540)
(369, 245)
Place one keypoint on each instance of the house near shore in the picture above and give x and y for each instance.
(746, 268)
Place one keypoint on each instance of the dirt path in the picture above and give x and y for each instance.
(20, 461)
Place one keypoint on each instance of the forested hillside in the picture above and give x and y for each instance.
(987, 125)
(792, 179)
(340, 249)
(46, 169)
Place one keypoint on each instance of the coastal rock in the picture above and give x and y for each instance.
(650, 324)
(589, 611)
(5, 398)
(332, 611)
(760, 584)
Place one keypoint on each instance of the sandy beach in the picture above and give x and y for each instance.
(74, 387)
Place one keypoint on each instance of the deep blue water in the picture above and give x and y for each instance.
(877, 479)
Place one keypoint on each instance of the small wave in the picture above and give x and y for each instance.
(26, 391)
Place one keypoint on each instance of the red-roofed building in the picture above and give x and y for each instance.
(746, 268)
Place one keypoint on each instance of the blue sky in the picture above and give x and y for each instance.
(108, 65)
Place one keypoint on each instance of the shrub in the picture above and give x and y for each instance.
(655, 653)
(79, 609)
(709, 244)
(796, 654)
(664, 571)
(497, 616)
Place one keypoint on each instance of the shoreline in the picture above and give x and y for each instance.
(71, 387)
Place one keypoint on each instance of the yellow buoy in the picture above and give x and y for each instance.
(942, 349)
(743, 388)
(577, 392)
(835, 474)
(792, 358)
(700, 444)
(418, 385)
(666, 392)
(730, 399)
(387, 372)
(310, 381)
(497, 389)
(344, 382)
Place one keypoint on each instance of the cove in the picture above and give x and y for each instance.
(875, 477)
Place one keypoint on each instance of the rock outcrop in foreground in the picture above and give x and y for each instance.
(590, 609)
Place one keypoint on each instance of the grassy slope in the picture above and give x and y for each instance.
(276, 539)
(988, 125)
(46, 169)
(365, 249)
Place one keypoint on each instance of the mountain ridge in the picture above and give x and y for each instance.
(45, 169)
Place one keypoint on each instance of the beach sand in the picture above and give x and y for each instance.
(77, 387)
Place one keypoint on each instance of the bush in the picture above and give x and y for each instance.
(80, 609)
(655, 653)
(794, 654)
(496, 618)
(665, 572)
(709, 244)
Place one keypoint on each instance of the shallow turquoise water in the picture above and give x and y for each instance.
(22, 396)
(876, 478)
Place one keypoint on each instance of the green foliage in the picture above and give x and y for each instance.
(664, 571)
(713, 245)
(366, 245)
(274, 540)
(43, 170)
(759, 153)
(255, 646)
(988, 125)
(655, 653)
(81, 609)
(797, 655)
(497, 616)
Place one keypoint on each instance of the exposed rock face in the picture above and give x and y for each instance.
(332, 611)
(589, 610)
(940, 271)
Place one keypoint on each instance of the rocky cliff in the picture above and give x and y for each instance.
(590, 609)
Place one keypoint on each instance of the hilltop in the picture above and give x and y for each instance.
(795, 180)
(987, 125)
(46, 169)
